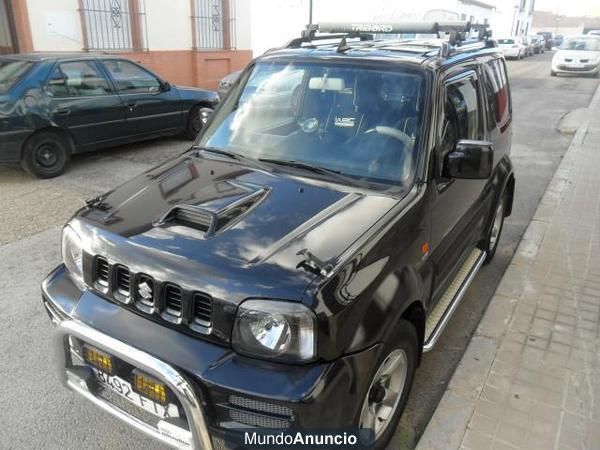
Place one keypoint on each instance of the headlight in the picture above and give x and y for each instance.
(276, 330)
(72, 253)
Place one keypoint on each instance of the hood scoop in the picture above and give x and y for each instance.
(203, 221)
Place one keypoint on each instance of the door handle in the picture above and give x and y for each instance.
(132, 105)
(63, 111)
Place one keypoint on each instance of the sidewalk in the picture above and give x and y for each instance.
(530, 378)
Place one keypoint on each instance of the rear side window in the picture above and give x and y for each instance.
(131, 78)
(77, 79)
(498, 95)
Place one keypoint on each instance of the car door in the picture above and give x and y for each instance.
(456, 205)
(83, 101)
(153, 107)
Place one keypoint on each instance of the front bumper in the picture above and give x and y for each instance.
(581, 68)
(220, 392)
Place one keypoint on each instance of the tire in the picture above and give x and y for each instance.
(45, 155)
(403, 349)
(552, 73)
(491, 241)
(196, 121)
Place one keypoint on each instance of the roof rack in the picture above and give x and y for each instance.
(458, 32)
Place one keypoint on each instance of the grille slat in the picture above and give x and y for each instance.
(173, 300)
(202, 309)
(123, 281)
(102, 271)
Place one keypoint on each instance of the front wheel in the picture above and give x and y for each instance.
(45, 155)
(197, 119)
(491, 242)
(390, 385)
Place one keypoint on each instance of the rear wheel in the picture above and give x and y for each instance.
(390, 385)
(45, 155)
(491, 243)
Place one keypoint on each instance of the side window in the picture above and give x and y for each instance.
(131, 78)
(498, 96)
(77, 79)
(461, 113)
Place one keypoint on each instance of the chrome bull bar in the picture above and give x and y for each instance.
(198, 436)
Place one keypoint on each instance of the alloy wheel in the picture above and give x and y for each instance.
(497, 225)
(385, 393)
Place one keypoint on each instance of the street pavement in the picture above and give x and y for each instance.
(38, 412)
(530, 378)
(539, 104)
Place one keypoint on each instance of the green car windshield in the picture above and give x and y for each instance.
(10, 72)
(359, 122)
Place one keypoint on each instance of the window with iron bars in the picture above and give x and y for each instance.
(114, 24)
(214, 24)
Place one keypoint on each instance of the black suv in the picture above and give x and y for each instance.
(289, 270)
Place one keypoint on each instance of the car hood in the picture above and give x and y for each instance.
(220, 222)
(576, 54)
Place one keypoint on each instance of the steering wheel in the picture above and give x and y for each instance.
(394, 133)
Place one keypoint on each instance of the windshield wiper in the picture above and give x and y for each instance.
(233, 155)
(315, 169)
(222, 152)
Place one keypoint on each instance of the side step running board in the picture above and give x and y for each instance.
(445, 307)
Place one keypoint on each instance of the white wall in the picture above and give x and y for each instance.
(55, 25)
(243, 24)
(168, 24)
(275, 22)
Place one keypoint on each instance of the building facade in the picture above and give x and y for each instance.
(187, 42)
(565, 25)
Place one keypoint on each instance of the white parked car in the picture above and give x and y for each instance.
(512, 47)
(577, 54)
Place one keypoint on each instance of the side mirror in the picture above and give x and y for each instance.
(470, 159)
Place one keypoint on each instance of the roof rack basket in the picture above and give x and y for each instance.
(458, 32)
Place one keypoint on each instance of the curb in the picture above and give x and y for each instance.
(450, 420)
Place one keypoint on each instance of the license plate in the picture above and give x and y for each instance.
(123, 388)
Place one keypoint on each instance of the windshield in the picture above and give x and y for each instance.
(360, 122)
(506, 41)
(581, 43)
(10, 72)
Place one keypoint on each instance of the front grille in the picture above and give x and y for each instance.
(258, 413)
(256, 420)
(123, 281)
(173, 300)
(258, 405)
(102, 271)
(163, 300)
